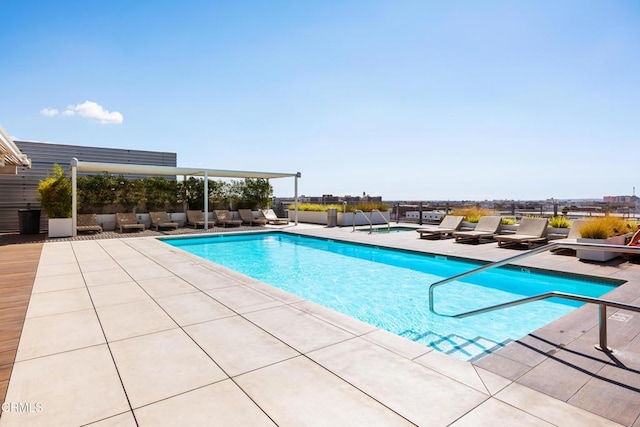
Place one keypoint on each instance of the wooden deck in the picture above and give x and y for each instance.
(18, 264)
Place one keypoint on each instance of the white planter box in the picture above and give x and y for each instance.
(60, 227)
(107, 221)
(347, 219)
(596, 255)
(344, 219)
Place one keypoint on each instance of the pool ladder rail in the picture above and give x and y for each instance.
(370, 220)
(602, 304)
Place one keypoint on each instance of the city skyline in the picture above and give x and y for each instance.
(493, 100)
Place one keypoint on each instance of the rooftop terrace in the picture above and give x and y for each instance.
(130, 331)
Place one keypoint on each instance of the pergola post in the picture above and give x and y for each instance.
(206, 200)
(74, 197)
(295, 197)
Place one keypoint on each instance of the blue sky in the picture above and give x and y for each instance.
(446, 100)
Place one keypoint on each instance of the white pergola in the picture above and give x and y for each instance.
(95, 167)
(10, 155)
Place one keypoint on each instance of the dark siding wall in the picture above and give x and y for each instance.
(20, 191)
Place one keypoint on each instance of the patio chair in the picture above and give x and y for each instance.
(224, 218)
(247, 217)
(195, 219)
(272, 218)
(449, 224)
(161, 220)
(572, 237)
(486, 228)
(128, 221)
(530, 231)
(88, 222)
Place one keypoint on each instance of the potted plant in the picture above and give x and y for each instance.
(55, 199)
(608, 230)
(559, 226)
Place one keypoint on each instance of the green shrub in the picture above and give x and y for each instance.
(368, 207)
(472, 214)
(605, 227)
(559, 222)
(315, 207)
(508, 220)
(55, 194)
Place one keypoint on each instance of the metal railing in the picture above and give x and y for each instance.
(355, 214)
(603, 304)
(383, 218)
(370, 220)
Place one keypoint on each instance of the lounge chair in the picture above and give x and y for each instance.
(161, 220)
(530, 231)
(449, 224)
(247, 217)
(486, 228)
(195, 219)
(272, 218)
(128, 221)
(224, 218)
(572, 237)
(88, 222)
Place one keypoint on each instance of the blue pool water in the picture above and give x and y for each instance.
(389, 288)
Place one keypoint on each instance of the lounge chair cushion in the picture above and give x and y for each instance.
(449, 224)
(161, 220)
(486, 228)
(530, 230)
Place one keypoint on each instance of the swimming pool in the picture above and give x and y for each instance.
(389, 288)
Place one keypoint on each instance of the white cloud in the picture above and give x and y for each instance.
(93, 110)
(49, 112)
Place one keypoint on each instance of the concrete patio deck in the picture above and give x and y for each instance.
(135, 332)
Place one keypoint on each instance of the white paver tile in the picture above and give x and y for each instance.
(298, 329)
(451, 367)
(42, 336)
(74, 388)
(207, 280)
(161, 365)
(166, 286)
(119, 293)
(243, 299)
(58, 283)
(496, 413)
(220, 404)
(56, 302)
(343, 321)
(121, 420)
(319, 397)
(403, 346)
(129, 320)
(56, 269)
(106, 277)
(420, 394)
(187, 309)
(225, 339)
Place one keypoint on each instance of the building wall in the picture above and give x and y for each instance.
(20, 191)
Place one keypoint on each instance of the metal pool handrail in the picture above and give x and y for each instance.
(603, 304)
(355, 213)
(383, 218)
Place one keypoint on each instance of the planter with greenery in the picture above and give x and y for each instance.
(55, 199)
(607, 230)
(314, 213)
(558, 227)
(471, 216)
